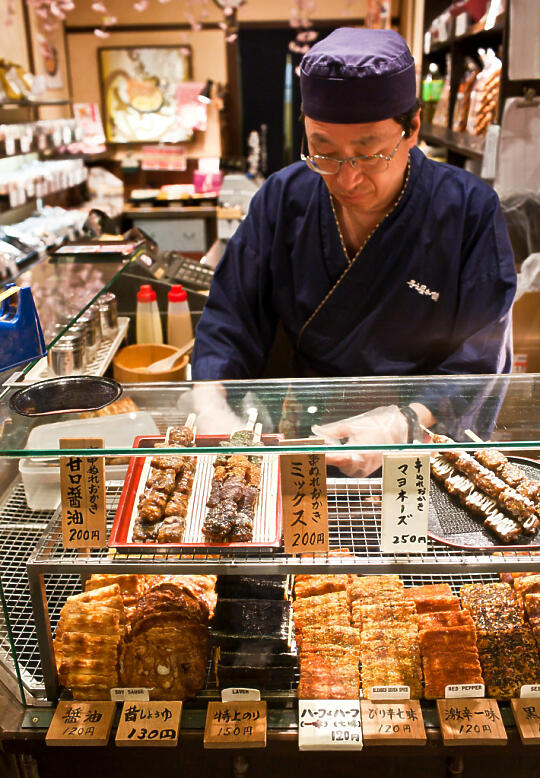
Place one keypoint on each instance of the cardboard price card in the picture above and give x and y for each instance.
(305, 505)
(393, 723)
(328, 725)
(405, 503)
(472, 722)
(81, 724)
(526, 712)
(149, 724)
(82, 486)
(235, 725)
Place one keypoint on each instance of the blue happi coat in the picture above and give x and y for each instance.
(431, 291)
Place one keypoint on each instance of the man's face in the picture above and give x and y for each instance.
(357, 190)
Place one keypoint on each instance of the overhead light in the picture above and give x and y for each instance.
(205, 94)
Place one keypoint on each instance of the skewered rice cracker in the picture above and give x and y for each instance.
(315, 585)
(438, 602)
(441, 467)
(491, 458)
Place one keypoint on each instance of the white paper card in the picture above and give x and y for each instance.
(530, 690)
(234, 694)
(329, 725)
(491, 149)
(127, 694)
(390, 693)
(405, 503)
(464, 690)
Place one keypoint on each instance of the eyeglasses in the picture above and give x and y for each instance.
(368, 163)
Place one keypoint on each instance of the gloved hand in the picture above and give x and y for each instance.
(382, 425)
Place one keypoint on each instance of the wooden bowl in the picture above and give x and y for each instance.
(129, 364)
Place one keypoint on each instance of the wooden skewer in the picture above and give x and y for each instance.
(257, 433)
(191, 421)
(473, 436)
(252, 418)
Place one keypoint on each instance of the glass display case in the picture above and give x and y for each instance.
(38, 574)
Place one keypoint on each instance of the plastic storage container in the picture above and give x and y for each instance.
(179, 327)
(148, 321)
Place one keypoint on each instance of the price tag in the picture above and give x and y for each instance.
(405, 503)
(393, 723)
(235, 725)
(491, 151)
(462, 23)
(82, 485)
(328, 725)
(305, 506)
(81, 724)
(527, 715)
(471, 722)
(390, 693)
(530, 690)
(149, 724)
(234, 693)
(125, 694)
(464, 690)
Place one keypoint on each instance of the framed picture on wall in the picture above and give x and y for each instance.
(141, 92)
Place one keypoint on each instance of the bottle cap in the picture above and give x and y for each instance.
(177, 294)
(146, 294)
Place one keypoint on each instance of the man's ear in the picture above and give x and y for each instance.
(412, 140)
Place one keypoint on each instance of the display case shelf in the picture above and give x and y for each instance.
(470, 146)
(21, 529)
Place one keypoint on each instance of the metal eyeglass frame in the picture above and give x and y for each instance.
(351, 160)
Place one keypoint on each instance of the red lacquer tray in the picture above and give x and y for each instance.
(267, 527)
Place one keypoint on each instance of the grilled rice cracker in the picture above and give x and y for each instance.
(332, 599)
(330, 634)
(388, 611)
(416, 593)
(130, 584)
(444, 619)
(444, 637)
(94, 620)
(110, 596)
(438, 602)
(315, 585)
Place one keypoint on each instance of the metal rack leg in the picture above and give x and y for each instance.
(43, 631)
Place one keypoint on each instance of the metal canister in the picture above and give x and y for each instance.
(68, 355)
(108, 315)
(90, 320)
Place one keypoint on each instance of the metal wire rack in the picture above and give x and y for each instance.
(354, 524)
(37, 582)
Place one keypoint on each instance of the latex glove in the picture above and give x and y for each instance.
(382, 425)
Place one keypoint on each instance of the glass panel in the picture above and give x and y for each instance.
(503, 410)
(62, 289)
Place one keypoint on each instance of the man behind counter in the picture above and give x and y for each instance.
(376, 260)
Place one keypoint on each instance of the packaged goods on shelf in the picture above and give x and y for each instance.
(485, 94)
(442, 109)
(463, 97)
